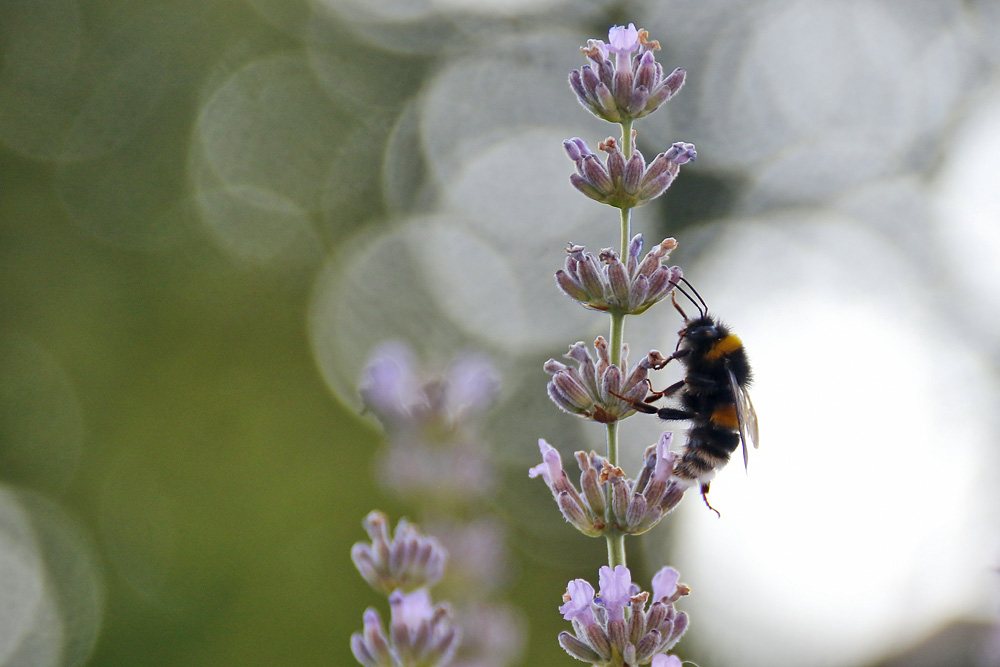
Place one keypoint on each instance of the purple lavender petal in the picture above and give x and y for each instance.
(665, 583)
(390, 383)
(622, 39)
(615, 594)
(551, 466)
(664, 459)
(471, 383)
(681, 153)
(578, 599)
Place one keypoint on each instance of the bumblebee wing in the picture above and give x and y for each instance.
(746, 416)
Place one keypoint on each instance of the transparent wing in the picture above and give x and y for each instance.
(746, 416)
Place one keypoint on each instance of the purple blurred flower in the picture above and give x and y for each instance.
(409, 560)
(606, 283)
(477, 554)
(492, 636)
(633, 86)
(430, 420)
(621, 182)
(617, 625)
(418, 633)
(402, 397)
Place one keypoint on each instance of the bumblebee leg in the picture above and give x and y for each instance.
(704, 496)
(673, 414)
(657, 395)
(639, 406)
(658, 362)
(673, 298)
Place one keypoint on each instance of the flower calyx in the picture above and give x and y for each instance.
(606, 283)
(620, 182)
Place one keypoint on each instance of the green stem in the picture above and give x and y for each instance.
(627, 138)
(616, 549)
(616, 539)
(618, 319)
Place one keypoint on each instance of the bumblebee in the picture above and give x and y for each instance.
(712, 396)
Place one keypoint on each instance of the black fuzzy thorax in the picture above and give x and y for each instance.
(705, 373)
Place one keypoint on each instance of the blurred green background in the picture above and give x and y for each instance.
(180, 487)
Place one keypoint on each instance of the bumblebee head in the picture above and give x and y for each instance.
(702, 331)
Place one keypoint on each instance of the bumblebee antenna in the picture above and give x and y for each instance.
(691, 287)
(680, 289)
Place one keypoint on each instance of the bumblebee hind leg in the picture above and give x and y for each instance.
(704, 496)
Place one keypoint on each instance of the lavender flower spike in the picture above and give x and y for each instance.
(624, 183)
(419, 634)
(409, 560)
(592, 390)
(606, 283)
(617, 625)
(633, 86)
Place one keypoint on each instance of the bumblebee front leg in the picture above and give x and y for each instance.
(657, 361)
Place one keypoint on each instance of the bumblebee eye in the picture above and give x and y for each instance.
(701, 333)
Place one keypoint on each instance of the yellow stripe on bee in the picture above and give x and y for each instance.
(725, 416)
(724, 346)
